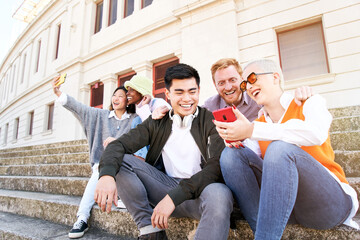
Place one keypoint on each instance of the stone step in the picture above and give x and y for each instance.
(19, 227)
(62, 210)
(45, 146)
(46, 151)
(74, 186)
(349, 141)
(349, 161)
(345, 124)
(345, 111)
(81, 157)
(69, 170)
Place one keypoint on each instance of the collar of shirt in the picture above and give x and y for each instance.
(244, 100)
(285, 101)
(124, 116)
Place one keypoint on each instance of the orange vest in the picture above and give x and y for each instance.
(323, 154)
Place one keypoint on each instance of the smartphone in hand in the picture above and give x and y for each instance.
(61, 79)
(225, 115)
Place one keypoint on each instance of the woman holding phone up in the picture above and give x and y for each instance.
(101, 127)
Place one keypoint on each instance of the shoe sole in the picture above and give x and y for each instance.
(78, 235)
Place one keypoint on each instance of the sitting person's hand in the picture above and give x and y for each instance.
(162, 212)
(236, 144)
(240, 129)
(302, 94)
(107, 141)
(106, 193)
(159, 112)
(141, 158)
(146, 100)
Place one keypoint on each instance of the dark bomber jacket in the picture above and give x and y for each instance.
(156, 133)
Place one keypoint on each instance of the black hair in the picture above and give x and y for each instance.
(180, 71)
(129, 108)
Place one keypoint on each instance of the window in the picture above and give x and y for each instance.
(6, 133)
(113, 11)
(57, 41)
(159, 70)
(7, 88)
(16, 129)
(97, 93)
(302, 51)
(30, 123)
(38, 57)
(98, 19)
(23, 69)
(128, 7)
(13, 79)
(50, 116)
(125, 77)
(145, 3)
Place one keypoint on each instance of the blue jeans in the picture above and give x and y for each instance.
(87, 200)
(142, 186)
(288, 182)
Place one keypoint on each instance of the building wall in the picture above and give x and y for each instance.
(198, 32)
(258, 22)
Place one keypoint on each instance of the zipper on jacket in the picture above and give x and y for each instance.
(157, 159)
(208, 147)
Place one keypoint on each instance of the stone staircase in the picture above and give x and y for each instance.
(41, 187)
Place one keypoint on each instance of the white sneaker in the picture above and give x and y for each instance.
(120, 204)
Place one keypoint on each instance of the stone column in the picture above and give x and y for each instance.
(137, 5)
(105, 16)
(120, 10)
(85, 94)
(110, 83)
(144, 68)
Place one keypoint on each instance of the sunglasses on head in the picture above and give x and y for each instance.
(252, 78)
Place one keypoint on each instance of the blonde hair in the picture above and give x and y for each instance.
(224, 63)
(268, 65)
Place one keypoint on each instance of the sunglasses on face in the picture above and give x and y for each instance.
(252, 78)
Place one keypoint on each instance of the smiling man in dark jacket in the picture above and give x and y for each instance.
(181, 175)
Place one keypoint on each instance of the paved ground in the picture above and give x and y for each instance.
(33, 228)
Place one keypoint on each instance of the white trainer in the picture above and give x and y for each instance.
(120, 204)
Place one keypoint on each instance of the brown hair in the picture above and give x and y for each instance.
(224, 63)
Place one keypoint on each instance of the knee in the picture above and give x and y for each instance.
(228, 158)
(279, 150)
(219, 200)
(125, 179)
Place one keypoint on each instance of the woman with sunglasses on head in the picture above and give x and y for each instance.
(101, 127)
(286, 169)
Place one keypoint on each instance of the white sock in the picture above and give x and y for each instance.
(149, 229)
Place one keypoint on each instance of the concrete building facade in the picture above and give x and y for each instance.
(101, 43)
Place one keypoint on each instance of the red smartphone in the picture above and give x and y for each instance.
(225, 115)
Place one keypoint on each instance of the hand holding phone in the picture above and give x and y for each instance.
(61, 79)
(225, 115)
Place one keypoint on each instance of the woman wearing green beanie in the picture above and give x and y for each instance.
(140, 93)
